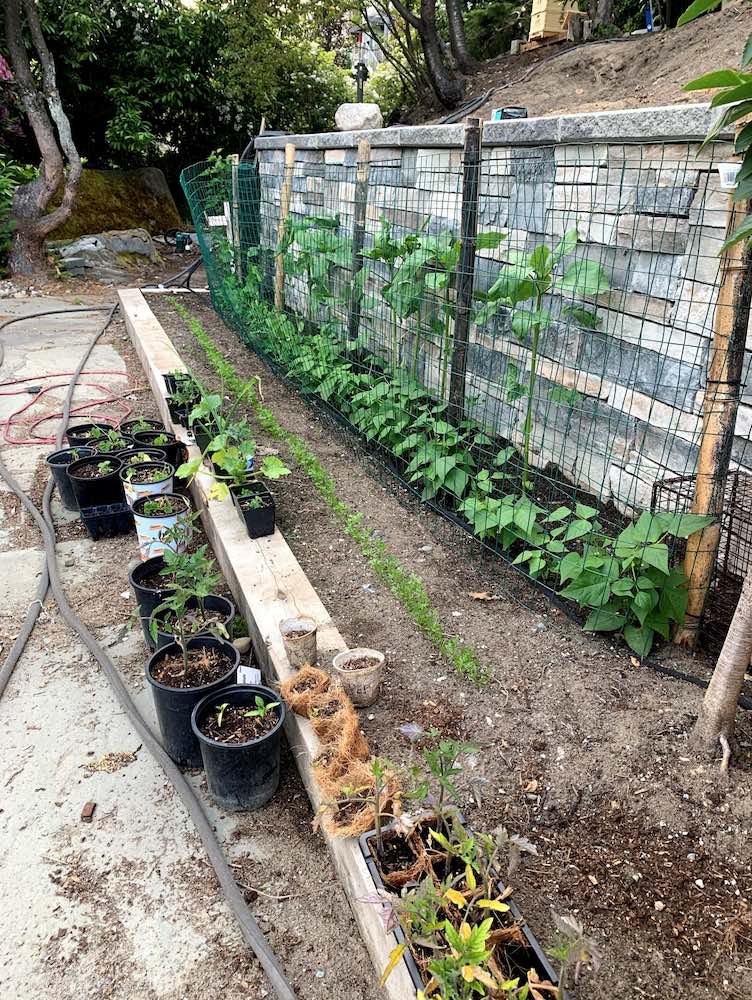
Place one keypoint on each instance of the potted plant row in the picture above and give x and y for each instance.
(228, 446)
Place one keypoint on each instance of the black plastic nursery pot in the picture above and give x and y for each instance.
(174, 706)
(94, 492)
(58, 463)
(174, 450)
(80, 434)
(523, 958)
(221, 606)
(148, 597)
(241, 775)
(259, 521)
(152, 455)
(202, 435)
(107, 520)
(131, 427)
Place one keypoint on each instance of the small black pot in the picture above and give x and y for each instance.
(96, 492)
(148, 598)
(202, 435)
(58, 463)
(259, 521)
(221, 605)
(174, 450)
(153, 455)
(129, 427)
(241, 775)
(78, 434)
(174, 706)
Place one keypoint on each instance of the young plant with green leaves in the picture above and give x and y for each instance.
(628, 582)
(522, 287)
(313, 247)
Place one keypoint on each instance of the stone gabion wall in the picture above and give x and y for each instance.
(646, 201)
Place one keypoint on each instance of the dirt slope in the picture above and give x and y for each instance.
(639, 71)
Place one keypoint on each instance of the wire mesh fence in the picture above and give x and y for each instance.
(527, 337)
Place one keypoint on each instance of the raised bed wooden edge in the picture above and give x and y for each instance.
(268, 585)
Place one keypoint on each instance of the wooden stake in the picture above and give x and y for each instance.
(284, 211)
(359, 232)
(718, 421)
(235, 211)
(466, 267)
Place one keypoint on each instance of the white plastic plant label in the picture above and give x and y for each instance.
(248, 675)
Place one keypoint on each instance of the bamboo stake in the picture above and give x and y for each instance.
(466, 267)
(284, 211)
(359, 232)
(718, 420)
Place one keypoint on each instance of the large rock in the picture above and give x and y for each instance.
(355, 117)
(120, 199)
(105, 257)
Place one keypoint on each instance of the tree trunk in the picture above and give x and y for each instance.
(718, 709)
(457, 39)
(601, 12)
(447, 87)
(44, 111)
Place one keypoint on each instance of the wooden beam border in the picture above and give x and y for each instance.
(269, 585)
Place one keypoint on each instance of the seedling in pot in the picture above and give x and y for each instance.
(221, 709)
(261, 709)
(141, 456)
(105, 468)
(161, 507)
(110, 442)
(146, 475)
(161, 439)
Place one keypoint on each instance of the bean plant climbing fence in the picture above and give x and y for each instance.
(527, 337)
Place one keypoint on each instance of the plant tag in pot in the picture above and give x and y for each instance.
(249, 675)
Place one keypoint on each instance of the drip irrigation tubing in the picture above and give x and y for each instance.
(51, 576)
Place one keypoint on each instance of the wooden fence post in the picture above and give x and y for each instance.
(235, 213)
(466, 266)
(718, 420)
(284, 211)
(359, 233)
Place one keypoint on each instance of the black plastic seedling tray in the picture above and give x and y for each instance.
(107, 521)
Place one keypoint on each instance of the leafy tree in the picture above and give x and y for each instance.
(35, 79)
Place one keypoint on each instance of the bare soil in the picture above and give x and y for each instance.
(204, 667)
(93, 471)
(636, 71)
(582, 750)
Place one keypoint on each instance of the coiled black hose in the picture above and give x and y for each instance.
(51, 576)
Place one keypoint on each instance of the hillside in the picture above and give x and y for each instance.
(637, 71)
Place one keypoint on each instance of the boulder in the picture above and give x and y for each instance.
(355, 117)
(120, 199)
(105, 257)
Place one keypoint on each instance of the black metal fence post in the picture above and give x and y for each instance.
(466, 267)
(359, 233)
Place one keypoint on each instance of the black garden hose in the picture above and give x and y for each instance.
(248, 926)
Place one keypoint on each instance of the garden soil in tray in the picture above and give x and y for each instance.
(580, 750)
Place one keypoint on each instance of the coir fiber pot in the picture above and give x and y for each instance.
(99, 491)
(174, 450)
(241, 775)
(259, 521)
(162, 482)
(148, 597)
(174, 706)
(80, 434)
(221, 607)
(58, 463)
(152, 528)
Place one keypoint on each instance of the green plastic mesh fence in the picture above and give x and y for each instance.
(522, 337)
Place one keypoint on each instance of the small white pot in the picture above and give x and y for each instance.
(299, 639)
(362, 685)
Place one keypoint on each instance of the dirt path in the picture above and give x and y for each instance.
(640, 71)
(127, 908)
(580, 751)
